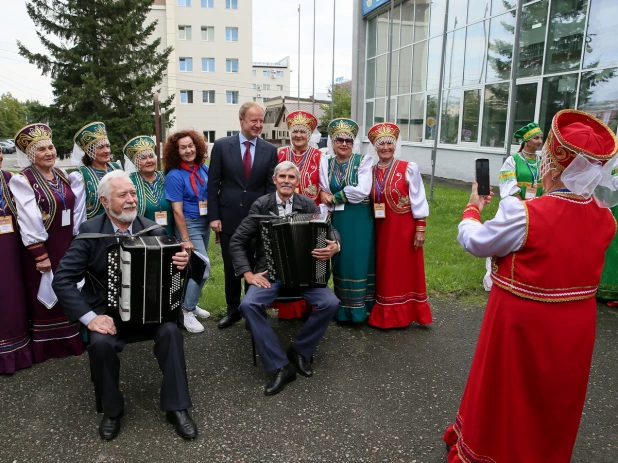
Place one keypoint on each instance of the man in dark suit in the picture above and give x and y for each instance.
(263, 290)
(241, 170)
(87, 258)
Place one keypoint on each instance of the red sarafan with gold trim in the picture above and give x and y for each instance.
(383, 129)
(396, 191)
(301, 118)
(308, 164)
(520, 273)
(573, 132)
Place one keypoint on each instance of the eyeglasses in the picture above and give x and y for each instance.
(343, 141)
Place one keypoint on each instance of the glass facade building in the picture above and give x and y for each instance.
(568, 58)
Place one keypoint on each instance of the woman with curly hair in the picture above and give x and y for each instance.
(186, 187)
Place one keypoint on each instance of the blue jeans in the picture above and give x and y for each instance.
(199, 232)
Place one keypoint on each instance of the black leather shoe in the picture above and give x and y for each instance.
(284, 375)
(302, 365)
(109, 427)
(229, 320)
(185, 426)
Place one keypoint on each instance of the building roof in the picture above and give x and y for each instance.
(292, 105)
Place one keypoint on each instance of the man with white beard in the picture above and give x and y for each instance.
(87, 259)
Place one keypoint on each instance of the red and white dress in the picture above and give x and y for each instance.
(308, 164)
(401, 293)
(525, 393)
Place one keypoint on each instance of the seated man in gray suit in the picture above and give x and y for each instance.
(87, 258)
(263, 290)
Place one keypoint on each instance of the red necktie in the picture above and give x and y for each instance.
(246, 160)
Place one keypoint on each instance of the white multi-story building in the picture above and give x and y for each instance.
(210, 68)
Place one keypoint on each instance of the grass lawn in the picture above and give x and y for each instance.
(449, 269)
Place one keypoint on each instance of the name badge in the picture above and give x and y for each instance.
(339, 207)
(66, 217)
(203, 207)
(530, 193)
(161, 218)
(379, 210)
(6, 224)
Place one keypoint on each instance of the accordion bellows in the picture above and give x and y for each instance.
(288, 242)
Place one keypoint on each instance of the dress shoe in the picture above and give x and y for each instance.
(109, 427)
(284, 375)
(185, 426)
(302, 365)
(229, 320)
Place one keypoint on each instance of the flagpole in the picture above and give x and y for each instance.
(313, 84)
(332, 86)
(298, 100)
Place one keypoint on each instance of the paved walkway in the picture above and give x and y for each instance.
(375, 397)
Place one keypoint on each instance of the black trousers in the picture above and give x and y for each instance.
(232, 284)
(168, 349)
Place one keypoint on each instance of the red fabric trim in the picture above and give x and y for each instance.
(471, 212)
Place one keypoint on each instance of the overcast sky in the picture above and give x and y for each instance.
(275, 36)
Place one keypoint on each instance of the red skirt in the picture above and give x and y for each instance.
(401, 293)
(527, 384)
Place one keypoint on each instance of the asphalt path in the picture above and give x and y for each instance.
(376, 396)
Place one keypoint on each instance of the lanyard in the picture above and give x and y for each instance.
(380, 185)
(2, 201)
(59, 189)
(533, 172)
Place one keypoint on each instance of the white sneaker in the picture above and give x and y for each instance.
(191, 324)
(201, 313)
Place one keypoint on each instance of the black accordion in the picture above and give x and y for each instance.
(144, 286)
(288, 242)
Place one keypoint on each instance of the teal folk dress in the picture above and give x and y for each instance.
(90, 177)
(354, 267)
(608, 288)
(151, 199)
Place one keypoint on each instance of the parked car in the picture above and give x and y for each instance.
(7, 147)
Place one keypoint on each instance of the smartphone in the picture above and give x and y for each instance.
(482, 176)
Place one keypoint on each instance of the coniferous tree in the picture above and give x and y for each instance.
(104, 64)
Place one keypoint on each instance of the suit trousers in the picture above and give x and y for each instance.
(168, 349)
(232, 284)
(253, 308)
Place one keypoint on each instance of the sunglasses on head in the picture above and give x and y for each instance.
(341, 141)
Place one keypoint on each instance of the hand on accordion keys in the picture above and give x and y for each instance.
(326, 253)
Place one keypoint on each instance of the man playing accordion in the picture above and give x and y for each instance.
(87, 258)
(263, 290)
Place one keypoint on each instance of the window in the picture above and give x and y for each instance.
(600, 45)
(371, 37)
(279, 87)
(368, 113)
(209, 136)
(186, 96)
(208, 65)
(208, 33)
(566, 34)
(231, 97)
(279, 73)
(525, 105)
(434, 60)
(208, 4)
(532, 39)
(403, 116)
(231, 34)
(419, 64)
(558, 93)
(380, 109)
(456, 14)
(231, 65)
(231, 133)
(184, 2)
(432, 117)
(186, 64)
(407, 23)
(383, 33)
(370, 81)
(474, 68)
(405, 70)
(264, 73)
(394, 72)
(184, 32)
(266, 86)
(478, 9)
(380, 82)
(254, 73)
(231, 4)
(495, 111)
(254, 86)
(417, 107)
(598, 95)
(449, 131)
(437, 17)
(421, 21)
(454, 58)
(498, 6)
(470, 116)
(500, 48)
(208, 96)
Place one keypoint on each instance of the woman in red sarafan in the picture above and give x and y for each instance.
(527, 384)
(400, 210)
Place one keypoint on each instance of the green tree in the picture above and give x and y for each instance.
(342, 98)
(36, 112)
(12, 115)
(104, 66)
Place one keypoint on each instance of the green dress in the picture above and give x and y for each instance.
(151, 199)
(91, 178)
(354, 266)
(608, 289)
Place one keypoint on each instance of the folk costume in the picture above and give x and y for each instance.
(527, 384)
(48, 212)
(15, 341)
(85, 142)
(401, 293)
(350, 184)
(308, 163)
(151, 200)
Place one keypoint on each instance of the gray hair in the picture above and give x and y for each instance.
(246, 107)
(104, 188)
(285, 166)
